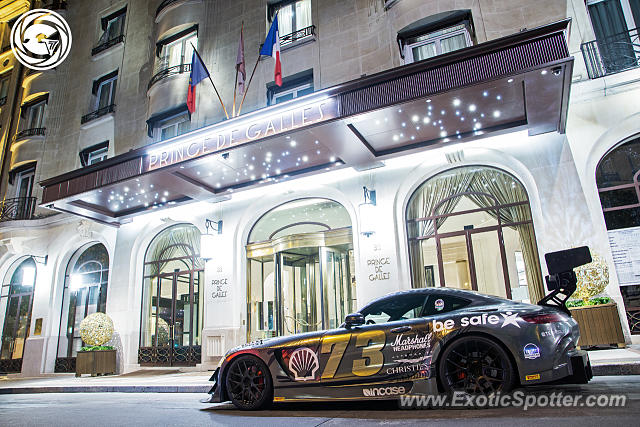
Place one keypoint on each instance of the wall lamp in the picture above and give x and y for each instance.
(209, 240)
(367, 212)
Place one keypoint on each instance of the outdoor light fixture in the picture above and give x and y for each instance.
(209, 241)
(367, 212)
(42, 259)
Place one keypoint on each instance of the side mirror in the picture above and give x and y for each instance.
(353, 319)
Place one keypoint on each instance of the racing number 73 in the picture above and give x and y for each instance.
(372, 343)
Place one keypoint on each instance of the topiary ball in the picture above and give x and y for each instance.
(96, 329)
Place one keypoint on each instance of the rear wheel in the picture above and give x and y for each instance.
(476, 365)
(248, 383)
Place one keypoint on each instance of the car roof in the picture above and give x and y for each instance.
(470, 295)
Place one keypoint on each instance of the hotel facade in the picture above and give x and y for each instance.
(412, 144)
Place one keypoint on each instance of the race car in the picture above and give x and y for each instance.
(420, 341)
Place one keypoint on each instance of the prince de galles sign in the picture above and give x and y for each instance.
(241, 130)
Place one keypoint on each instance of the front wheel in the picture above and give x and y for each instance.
(249, 383)
(476, 365)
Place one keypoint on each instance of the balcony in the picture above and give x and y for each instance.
(168, 72)
(106, 45)
(26, 133)
(98, 113)
(17, 208)
(612, 55)
(303, 33)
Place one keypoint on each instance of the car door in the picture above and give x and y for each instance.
(391, 344)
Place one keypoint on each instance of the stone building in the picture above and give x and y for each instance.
(413, 143)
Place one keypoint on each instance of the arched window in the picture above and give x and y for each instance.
(471, 228)
(617, 178)
(172, 303)
(301, 269)
(17, 294)
(85, 293)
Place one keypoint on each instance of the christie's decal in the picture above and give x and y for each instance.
(531, 351)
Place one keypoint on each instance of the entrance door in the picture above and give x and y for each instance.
(16, 331)
(474, 259)
(175, 308)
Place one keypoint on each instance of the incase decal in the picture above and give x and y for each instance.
(532, 377)
(439, 304)
(304, 364)
(531, 351)
(383, 391)
(484, 319)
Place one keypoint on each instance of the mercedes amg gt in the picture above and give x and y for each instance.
(421, 341)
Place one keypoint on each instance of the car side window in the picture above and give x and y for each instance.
(399, 307)
(438, 304)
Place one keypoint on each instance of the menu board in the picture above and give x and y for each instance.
(625, 247)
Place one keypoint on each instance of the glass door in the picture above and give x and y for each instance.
(300, 296)
(178, 311)
(489, 263)
(454, 262)
(16, 327)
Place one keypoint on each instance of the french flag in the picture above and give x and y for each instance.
(271, 47)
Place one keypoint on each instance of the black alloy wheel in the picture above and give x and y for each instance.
(476, 365)
(248, 383)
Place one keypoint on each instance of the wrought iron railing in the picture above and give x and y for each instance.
(169, 71)
(164, 4)
(106, 45)
(98, 113)
(29, 132)
(612, 54)
(18, 208)
(298, 35)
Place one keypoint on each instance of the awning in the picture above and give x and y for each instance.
(517, 82)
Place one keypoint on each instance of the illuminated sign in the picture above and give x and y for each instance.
(238, 132)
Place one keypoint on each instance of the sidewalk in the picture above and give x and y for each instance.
(624, 361)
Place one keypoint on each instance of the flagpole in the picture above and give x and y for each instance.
(235, 85)
(213, 84)
(246, 88)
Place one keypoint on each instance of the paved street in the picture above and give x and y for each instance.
(84, 409)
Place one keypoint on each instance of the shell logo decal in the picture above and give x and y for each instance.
(304, 364)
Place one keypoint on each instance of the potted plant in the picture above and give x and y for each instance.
(96, 358)
(595, 312)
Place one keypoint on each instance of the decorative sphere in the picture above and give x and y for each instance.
(96, 329)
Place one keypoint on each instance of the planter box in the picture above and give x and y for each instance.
(599, 325)
(101, 362)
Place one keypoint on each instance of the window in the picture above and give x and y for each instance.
(174, 122)
(293, 16)
(106, 93)
(436, 35)
(25, 183)
(436, 43)
(4, 89)
(439, 303)
(176, 50)
(34, 115)
(112, 26)
(94, 154)
(397, 307)
(615, 24)
(292, 87)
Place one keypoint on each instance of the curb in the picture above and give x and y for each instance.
(616, 369)
(108, 389)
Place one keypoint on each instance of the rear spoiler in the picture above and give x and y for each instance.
(562, 281)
